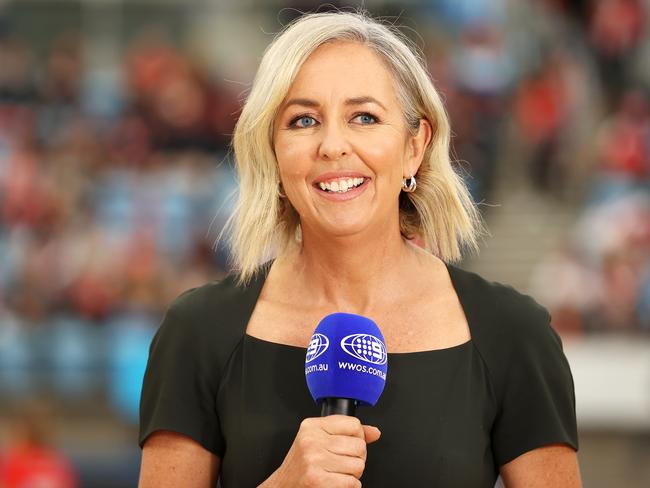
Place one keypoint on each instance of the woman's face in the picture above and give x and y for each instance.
(342, 144)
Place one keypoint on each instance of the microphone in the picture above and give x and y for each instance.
(346, 363)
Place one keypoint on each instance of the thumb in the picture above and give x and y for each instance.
(371, 433)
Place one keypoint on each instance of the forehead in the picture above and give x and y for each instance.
(341, 70)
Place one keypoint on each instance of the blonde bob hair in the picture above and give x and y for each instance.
(440, 212)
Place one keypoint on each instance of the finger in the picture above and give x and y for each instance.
(336, 480)
(350, 465)
(342, 425)
(345, 445)
(371, 433)
(323, 477)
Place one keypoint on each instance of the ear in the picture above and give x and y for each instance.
(417, 145)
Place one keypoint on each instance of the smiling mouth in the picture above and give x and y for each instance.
(341, 186)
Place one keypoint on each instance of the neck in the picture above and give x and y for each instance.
(352, 273)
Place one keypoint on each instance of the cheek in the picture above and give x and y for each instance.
(292, 157)
(382, 154)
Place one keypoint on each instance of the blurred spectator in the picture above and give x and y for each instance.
(180, 106)
(624, 140)
(476, 102)
(616, 28)
(63, 71)
(17, 77)
(29, 459)
(541, 111)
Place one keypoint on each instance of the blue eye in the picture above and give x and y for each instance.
(294, 122)
(367, 118)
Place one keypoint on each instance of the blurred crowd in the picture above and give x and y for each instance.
(107, 214)
(104, 218)
(598, 278)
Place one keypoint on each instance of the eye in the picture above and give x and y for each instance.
(366, 118)
(305, 124)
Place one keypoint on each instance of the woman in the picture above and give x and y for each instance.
(342, 150)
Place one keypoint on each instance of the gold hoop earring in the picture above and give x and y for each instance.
(281, 190)
(409, 184)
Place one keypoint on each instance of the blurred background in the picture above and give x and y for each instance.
(115, 179)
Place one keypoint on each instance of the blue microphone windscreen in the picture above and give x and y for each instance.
(346, 358)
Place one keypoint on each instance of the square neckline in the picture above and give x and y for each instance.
(451, 270)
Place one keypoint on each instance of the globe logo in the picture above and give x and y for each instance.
(317, 346)
(365, 347)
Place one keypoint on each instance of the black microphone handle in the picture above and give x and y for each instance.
(338, 406)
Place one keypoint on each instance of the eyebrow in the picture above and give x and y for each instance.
(307, 102)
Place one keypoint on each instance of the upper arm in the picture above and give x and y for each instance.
(545, 467)
(171, 460)
(533, 385)
(183, 374)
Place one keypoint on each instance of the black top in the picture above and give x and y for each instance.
(448, 417)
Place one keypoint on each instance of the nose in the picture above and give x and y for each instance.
(334, 144)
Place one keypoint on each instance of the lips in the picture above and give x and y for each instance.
(341, 185)
(338, 175)
(348, 194)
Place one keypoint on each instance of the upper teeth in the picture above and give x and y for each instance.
(341, 185)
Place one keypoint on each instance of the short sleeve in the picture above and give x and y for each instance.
(537, 405)
(180, 382)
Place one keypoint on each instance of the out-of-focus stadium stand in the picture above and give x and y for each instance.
(116, 177)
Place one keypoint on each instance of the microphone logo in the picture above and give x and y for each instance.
(365, 347)
(317, 346)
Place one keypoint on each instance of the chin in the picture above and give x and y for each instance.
(343, 228)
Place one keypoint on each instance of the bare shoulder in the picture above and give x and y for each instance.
(544, 467)
(170, 459)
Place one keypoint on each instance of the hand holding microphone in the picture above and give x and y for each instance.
(345, 366)
(328, 452)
